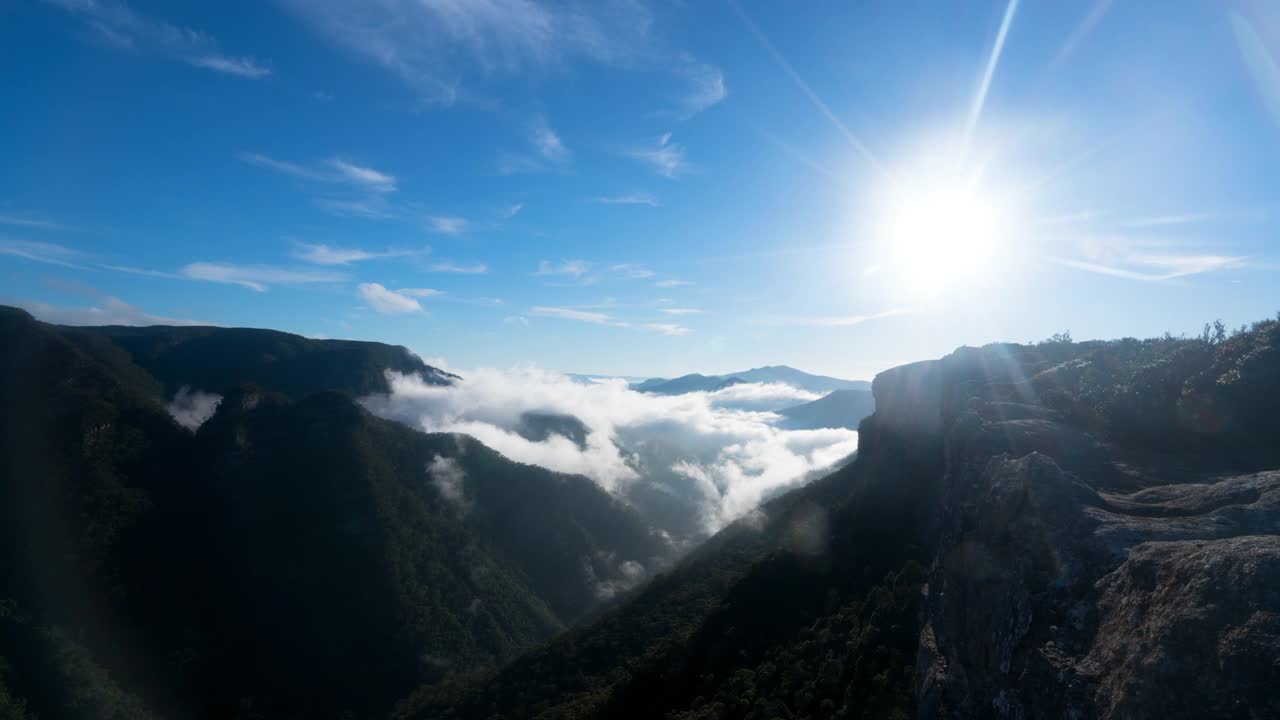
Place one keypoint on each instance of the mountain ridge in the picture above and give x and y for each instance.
(1028, 531)
(695, 382)
(990, 552)
(353, 556)
(837, 409)
(212, 359)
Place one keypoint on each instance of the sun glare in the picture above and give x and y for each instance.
(938, 236)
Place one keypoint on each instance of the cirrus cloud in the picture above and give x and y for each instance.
(256, 277)
(666, 158)
(668, 329)
(587, 316)
(451, 267)
(333, 255)
(120, 27)
(576, 268)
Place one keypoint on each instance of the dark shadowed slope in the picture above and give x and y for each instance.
(83, 459)
(214, 359)
(291, 559)
(1095, 521)
(355, 555)
(837, 409)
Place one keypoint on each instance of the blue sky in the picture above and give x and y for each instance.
(644, 188)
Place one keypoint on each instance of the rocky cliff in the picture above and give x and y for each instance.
(1078, 571)
(1064, 530)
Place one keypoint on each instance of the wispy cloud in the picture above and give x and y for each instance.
(334, 170)
(510, 212)
(106, 310)
(547, 152)
(372, 208)
(333, 255)
(576, 268)
(144, 272)
(449, 267)
(119, 26)
(520, 320)
(437, 46)
(49, 253)
(448, 225)
(364, 176)
(595, 317)
(282, 166)
(671, 283)
(838, 320)
(1158, 268)
(680, 311)
(629, 199)
(1166, 220)
(668, 329)
(30, 222)
(463, 300)
(257, 277)
(632, 270)
(548, 142)
(420, 292)
(707, 89)
(1070, 218)
(243, 66)
(518, 164)
(666, 157)
(1146, 259)
(394, 302)
(562, 313)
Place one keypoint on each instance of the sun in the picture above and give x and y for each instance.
(940, 235)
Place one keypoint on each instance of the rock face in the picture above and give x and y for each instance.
(1066, 530)
(1073, 579)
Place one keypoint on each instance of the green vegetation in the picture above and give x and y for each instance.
(292, 558)
(1211, 393)
(298, 557)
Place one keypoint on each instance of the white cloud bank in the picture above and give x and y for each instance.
(691, 463)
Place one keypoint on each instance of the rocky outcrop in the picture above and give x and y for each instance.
(1075, 576)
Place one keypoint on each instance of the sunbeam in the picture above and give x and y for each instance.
(857, 144)
(980, 98)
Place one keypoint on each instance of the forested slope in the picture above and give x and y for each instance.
(291, 558)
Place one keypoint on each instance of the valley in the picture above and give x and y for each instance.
(298, 555)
